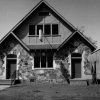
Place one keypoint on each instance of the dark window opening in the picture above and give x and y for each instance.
(36, 62)
(50, 61)
(43, 61)
(47, 29)
(39, 27)
(31, 29)
(54, 29)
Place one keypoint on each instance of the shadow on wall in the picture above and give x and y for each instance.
(65, 72)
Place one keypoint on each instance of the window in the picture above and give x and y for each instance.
(43, 60)
(47, 29)
(31, 29)
(36, 62)
(54, 29)
(39, 27)
(50, 61)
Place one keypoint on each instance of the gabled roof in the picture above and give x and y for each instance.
(82, 35)
(27, 15)
(41, 2)
(47, 4)
(16, 39)
(58, 15)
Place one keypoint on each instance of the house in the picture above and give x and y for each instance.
(39, 42)
(94, 59)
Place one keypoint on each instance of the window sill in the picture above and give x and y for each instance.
(44, 35)
(43, 68)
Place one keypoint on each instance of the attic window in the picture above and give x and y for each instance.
(43, 13)
(54, 29)
(47, 29)
(31, 29)
(39, 27)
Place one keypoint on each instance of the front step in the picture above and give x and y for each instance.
(5, 82)
(78, 82)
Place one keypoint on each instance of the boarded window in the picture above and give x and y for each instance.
(54, 29)
(31, 29)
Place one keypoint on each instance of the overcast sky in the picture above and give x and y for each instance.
(84, 14)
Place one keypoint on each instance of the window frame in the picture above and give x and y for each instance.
(44, 29)
(52, 29)
(40, 56)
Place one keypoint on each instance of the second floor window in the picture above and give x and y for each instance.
(47, 29)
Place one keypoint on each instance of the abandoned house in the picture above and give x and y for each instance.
(40, 42)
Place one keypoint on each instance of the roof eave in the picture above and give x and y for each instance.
(72, 36)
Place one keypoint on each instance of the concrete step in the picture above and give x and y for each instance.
(78, 82)
(5, 82)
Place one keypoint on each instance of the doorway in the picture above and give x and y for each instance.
(11, 66)
(76, 66)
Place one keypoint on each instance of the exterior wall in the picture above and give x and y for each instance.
(85, 65)
(26, 70)
(95, 58)
(86, 70)
(3, 69)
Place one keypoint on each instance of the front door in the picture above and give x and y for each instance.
(11, 68)
(76, 68)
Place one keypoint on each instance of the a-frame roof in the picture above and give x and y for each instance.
(21, 42)
(78, 33)
(58, 15)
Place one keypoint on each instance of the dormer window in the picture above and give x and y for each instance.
(47, 29)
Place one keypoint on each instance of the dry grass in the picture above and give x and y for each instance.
(50, 92)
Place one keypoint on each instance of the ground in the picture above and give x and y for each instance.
(32, 91)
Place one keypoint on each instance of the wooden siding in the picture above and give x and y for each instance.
(22, 30)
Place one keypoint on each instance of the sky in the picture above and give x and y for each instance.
(83, 14)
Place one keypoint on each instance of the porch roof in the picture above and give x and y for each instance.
(46, 46)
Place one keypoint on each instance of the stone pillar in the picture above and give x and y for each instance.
(69, 62)
(4, 66)
(32, 61)
(84, 68)
(82, 65)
